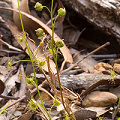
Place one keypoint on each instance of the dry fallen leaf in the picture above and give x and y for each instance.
(87, 64)
(98, 110)
(84, 114)
(26, 116)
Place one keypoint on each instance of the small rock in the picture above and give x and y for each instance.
(84, 114)
(117, 67)
(17, 113)
(101, 67)
(99, 99)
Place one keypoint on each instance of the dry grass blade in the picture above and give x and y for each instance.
(10, 46)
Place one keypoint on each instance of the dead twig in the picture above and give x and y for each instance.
(9, 97)
(10, 46)
(75, 64)
(10, 51)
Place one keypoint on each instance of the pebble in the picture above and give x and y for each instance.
(17, 113)
(117, 67)
(99, 99)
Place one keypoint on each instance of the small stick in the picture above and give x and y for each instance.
(9, 97)
(10, 51)
(10, 46)
(75, 64)
(97, 49)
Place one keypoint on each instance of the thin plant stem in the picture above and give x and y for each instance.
(55, 59)
(51, 108)
(52, 40)
(47, 8)
(55, 19)
(30, 55)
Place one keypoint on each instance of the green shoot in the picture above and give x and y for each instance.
(30, 55)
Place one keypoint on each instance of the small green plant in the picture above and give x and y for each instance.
(32, 60)
(112, 74)
(100, 118)
(112, 80)
(53, 48)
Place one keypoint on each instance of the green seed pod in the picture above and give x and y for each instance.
(20, 39)
(41, 63)
(39, 32)
(59, 44)
(56, 102)
(29, 80)
(33, 105)
(38, 6)
(9, 63)
(61, 12)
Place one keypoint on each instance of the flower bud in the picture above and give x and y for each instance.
(59, 44)
(38, 6)
(39, 32)
(61, 12)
